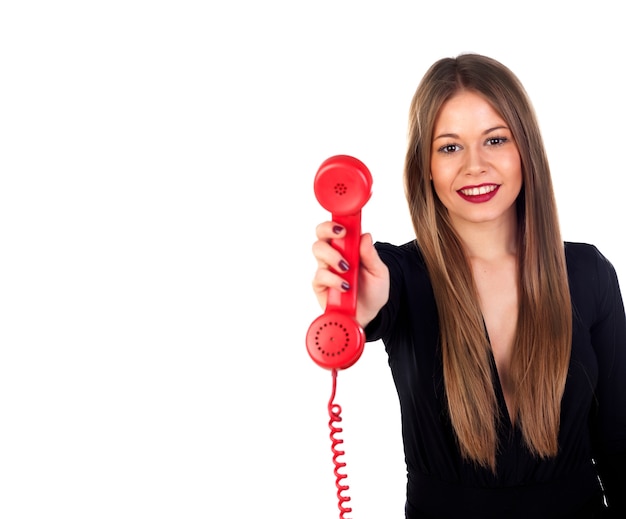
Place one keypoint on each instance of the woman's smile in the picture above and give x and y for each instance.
(479, 194)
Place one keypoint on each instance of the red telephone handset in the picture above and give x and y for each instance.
(342, 185)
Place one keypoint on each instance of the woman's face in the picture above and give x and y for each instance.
(475, 164)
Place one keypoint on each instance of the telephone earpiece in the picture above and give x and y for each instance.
(342, 185)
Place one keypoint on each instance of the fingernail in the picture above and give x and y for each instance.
(345, 285)
(343, 265)
(337, 229)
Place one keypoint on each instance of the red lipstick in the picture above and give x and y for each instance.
(478, 194)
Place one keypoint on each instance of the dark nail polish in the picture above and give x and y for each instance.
(343, 265)
(345, 285)
(337, 229)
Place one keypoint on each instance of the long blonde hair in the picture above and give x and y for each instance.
(544, 323)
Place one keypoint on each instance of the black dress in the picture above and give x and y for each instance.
(592, 438)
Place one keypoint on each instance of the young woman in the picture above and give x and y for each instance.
(507, 346)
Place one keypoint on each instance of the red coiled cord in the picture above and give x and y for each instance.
(334, 410)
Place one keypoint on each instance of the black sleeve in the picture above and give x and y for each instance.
(608, 336)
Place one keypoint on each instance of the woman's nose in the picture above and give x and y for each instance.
(475, 163)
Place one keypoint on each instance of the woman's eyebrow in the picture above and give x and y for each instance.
(456, 136)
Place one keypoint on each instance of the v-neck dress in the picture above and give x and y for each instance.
(591, 464)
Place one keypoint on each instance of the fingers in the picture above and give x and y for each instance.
(324, 252)
(329, 260)
(325, 279)
(329, 230)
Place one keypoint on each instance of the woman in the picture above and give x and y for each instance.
(507, 347)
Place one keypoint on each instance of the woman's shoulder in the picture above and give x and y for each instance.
(584, 255)
(580, 249)
(405, 260)
(406, 252)
(586, 264)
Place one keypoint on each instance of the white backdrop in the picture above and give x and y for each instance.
(156, 219)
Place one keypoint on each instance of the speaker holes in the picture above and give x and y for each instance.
(340, 188)
(332, 339)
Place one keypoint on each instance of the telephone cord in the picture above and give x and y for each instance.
(334, 410)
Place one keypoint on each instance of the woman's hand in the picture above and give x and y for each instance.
(373, 284)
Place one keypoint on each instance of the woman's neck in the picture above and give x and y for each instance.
(489, 241)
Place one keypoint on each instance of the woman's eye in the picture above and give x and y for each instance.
(449, 148)
(495, 141)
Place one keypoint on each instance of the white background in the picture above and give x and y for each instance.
(156, 219)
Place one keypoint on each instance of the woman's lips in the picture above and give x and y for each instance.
(478, 194)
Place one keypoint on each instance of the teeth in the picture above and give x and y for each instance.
(475, 191)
